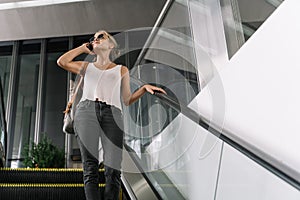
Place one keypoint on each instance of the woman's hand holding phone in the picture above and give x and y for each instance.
(90, 46)
(87, 48)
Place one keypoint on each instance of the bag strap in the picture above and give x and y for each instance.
(70, 103)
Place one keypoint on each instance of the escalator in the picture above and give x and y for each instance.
(181, 144)
(171, 181)
(175, 150)
(141, 178)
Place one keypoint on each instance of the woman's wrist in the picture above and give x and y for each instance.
(83, 49)
(143, 88)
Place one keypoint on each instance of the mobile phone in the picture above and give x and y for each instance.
(90, 46)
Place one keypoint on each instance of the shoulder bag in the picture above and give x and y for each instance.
(70, 109)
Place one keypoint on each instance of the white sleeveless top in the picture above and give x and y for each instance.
(104, 85)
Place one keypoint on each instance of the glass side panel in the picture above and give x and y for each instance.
(168, 63)
(189, 47)
(154, 129)
(168, 146)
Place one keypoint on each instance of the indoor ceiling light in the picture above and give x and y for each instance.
(34, 3)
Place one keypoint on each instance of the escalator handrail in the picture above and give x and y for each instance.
(276, 167)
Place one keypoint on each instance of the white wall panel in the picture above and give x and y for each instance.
(242, 178)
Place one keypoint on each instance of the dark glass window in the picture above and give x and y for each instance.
(54, 91)
(26, 94)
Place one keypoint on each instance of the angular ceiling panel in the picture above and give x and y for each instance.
(77, 18)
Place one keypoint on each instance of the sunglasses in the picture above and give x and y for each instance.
(99, 37)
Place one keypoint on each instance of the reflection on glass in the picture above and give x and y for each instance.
(54, 100)
(5, 63)
(242, 18)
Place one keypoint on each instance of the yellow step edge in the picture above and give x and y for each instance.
(46, 169)
(55, 185)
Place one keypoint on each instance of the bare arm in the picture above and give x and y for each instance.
(130, 98)
(66, 60)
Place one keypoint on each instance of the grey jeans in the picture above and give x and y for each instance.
(94, 120)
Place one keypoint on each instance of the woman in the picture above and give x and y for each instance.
(99, 112)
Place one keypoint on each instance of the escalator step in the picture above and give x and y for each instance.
(44, 184)
(42, 193)
(45, 192)
(23, 175)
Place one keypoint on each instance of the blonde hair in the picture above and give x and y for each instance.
(115, 52)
